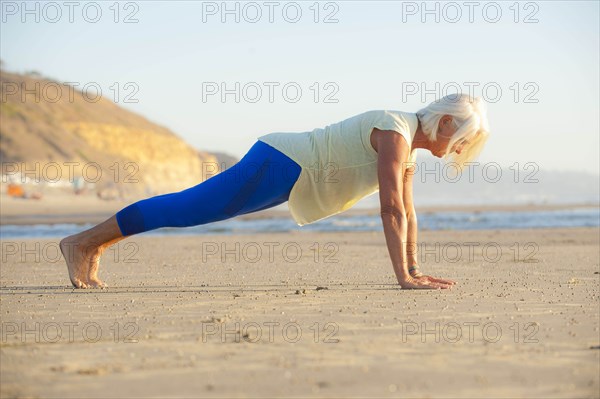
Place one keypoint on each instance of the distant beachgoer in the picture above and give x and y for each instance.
(321, 173)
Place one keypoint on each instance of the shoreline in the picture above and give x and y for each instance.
(82, 210)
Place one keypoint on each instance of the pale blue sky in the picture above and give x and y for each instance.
(369, 54)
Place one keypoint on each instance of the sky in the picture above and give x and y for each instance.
(221, 74)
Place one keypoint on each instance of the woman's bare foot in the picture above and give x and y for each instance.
(93, 281)
(82, 252)
(79, 258)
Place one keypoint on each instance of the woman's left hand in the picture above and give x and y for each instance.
(423, 277)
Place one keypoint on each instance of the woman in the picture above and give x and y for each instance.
(320, 173)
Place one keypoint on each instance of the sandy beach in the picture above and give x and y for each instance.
(214, 109)
(306, 315)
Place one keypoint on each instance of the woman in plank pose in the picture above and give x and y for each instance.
(321, 173)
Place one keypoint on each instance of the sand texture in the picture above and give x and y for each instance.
(306, 315)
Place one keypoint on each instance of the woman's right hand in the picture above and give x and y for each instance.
(423, 284)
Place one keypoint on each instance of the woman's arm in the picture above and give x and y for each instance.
(412, 246)
(392, 150)
(411, 217)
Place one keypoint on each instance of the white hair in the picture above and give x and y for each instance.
(468, 115)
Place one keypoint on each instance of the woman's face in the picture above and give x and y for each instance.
(446, 130)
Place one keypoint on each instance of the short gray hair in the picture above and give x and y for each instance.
(470, 118)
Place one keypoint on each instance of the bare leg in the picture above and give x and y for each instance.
(82, 252)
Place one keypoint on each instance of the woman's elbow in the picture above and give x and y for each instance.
(394, 211)
(411, 214)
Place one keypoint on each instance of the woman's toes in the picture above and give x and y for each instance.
(78, 283)
(96, 284)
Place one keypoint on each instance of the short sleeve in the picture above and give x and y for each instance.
(390, 121)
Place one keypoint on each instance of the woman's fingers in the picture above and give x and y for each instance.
(439, 280)
(431, 285)
(442, 280)
(427, 283)
(441, 285)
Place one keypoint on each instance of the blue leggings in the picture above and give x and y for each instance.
(262, 179)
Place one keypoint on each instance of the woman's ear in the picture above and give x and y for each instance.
(445, 120)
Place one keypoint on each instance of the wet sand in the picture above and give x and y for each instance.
(306, 315)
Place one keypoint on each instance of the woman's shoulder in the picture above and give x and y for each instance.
(391, 116)
(408, 119)
(391, 113)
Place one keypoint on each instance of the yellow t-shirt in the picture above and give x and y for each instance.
(339, 165)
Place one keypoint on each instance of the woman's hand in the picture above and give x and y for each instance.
(426, 282)
(422, 277)
(416, 274)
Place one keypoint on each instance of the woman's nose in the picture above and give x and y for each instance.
(458, 150)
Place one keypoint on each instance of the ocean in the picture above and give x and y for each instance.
(576, 217)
